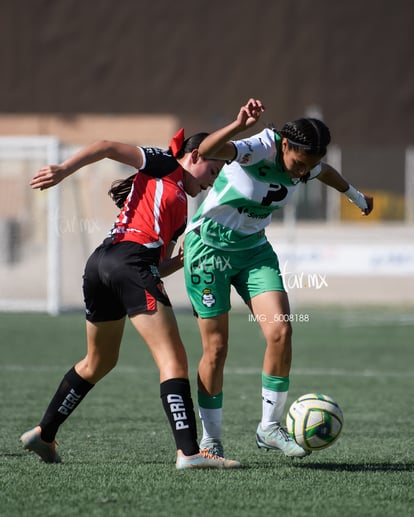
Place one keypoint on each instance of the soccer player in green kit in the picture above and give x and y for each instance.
(226, 245)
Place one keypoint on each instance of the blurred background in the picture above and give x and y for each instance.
(136, 70)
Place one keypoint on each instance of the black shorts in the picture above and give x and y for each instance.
(122, 279)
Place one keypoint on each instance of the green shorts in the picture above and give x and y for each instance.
(210, 272)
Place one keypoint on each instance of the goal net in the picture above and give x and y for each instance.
(47, 236)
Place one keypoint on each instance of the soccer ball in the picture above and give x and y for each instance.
(314, 421)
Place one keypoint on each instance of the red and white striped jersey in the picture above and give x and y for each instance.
(155, 211)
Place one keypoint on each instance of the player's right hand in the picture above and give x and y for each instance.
(47, 177)
(250, 113)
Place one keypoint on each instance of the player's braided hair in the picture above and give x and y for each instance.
(121, 188)
(309, 134)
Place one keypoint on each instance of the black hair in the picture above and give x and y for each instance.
(309, 134)
(191, 143)
(121, 188)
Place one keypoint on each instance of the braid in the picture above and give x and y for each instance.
(317, 132)
(310, 134)
(293, 133)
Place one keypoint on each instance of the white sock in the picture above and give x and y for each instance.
(211, 420)
(273, 405)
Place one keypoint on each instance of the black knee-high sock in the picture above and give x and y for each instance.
(178, 406)
(70, 392)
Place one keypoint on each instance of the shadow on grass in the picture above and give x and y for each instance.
(357, 467)
(308, 464)
(328, 467)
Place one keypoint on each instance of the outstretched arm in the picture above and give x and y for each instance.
(217, 145)
(53, 174)
(332, 178)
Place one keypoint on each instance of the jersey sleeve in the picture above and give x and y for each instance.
(158, 162)
(255, 148)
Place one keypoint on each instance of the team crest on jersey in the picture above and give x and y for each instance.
(208, 298)
(245, 158)
(181, 195)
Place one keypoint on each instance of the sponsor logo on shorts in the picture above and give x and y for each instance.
(208, 298)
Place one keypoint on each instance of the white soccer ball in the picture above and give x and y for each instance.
(314, 421)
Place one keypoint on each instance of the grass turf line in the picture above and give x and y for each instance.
(118, 451)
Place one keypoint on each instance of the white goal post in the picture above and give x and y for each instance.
(47, 236)
(19, 158)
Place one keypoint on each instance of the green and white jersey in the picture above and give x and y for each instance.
(238, 208)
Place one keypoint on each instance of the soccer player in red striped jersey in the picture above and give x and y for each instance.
(123, 278)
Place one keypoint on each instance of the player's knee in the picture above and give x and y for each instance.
(95, 371)
(216, 352)
(280, 334)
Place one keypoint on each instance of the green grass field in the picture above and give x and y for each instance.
(118, 452)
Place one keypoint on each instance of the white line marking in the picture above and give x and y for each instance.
(334, 372)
